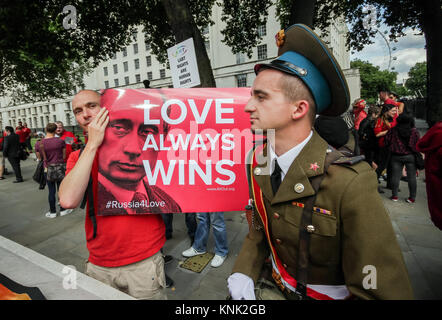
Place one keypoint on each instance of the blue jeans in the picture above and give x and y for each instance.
(52, 188)
(219, 232)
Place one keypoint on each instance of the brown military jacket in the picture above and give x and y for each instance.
(357, 232)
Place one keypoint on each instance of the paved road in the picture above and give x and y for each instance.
(22, 220)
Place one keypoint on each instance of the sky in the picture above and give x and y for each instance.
(410, 49)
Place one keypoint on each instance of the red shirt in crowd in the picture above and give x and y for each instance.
(381, 126)
(21, 134)
(69, 139)
(27, 132)
(120, 240)
(359, 116)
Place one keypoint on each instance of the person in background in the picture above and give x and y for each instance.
(27, 133)
(52, 150)
(431, 145)
(334, 130)
(22, 134)
(2, 159)
(400, 105)
(205, 220)
(359, 112)
(384, 123)
(401, 141)
(11, 150)
(67, 136)
(367, 139)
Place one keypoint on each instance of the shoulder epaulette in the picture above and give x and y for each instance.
(349, 160)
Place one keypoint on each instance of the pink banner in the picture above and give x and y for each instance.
(174, 150)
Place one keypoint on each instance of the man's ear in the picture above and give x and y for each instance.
(302, 107)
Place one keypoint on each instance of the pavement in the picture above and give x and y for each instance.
(62, 239)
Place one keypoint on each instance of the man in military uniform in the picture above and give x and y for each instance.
(317, 214)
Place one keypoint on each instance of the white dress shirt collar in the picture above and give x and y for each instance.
(285, 160)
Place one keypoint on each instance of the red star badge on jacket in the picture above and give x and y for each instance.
(314, 166)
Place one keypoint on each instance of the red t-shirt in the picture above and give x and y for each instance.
(27, 132)
(22, 135)
(120, 240)
(381, 126)
(69, 139)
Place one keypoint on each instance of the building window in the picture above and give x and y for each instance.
(53, 107)
(240, 58)
(115, 69)
(135, 46)
(126, 80)
(137, 64)
(125, 66)
(262, 30)
(134, 35)
(116, 82)
(137, 78)
(125, 52)
(149, 76)
(105, 71)
(162, 73)
(241, 80)
(147, 46)
(106, 84)
(114, 56)
(149, 61)
(262, 52)
(54, 117)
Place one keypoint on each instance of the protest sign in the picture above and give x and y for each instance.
(174, 150)
(183, 65)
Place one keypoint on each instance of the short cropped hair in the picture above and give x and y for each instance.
(51, 127)
(374, 109)
(294, 89)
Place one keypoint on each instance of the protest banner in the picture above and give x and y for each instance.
(183, 65)
(174, 150)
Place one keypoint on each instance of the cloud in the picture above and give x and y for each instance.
(408, 50)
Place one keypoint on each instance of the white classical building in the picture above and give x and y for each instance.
(135, 63)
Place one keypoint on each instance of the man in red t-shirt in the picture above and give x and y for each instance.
(21, 134)
(27, 132)
(67, 136)
(124, 250)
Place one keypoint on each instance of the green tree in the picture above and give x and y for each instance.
(402, 91)
(41, 59)
(372, 78)
(417, 81)
(364, 17)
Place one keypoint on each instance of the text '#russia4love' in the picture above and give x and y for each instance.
(174, 150)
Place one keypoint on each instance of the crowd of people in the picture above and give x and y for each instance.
(387, 137)
(52, 148)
